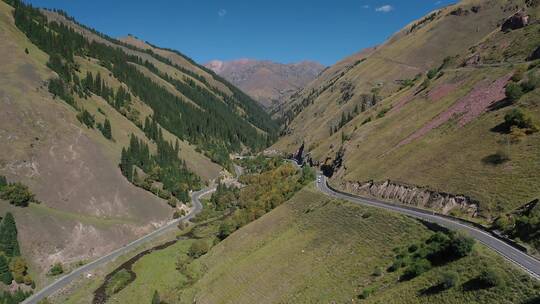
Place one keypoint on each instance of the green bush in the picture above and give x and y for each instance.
(17, 194)
(56, 269)
(432, 73)
(383, 112)
(366, 120)
(513, 91)
(366, 292)
(516, 117)
(490, 277)
(448, 279)
(198, 248)
(461, 245)
(416, 269)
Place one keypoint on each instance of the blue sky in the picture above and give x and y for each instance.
(279, 30)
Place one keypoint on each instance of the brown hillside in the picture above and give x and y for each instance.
(439, 134)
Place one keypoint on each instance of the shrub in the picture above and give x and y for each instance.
(56, 269)
(382, 112)
(377, 272)
(172, 202)
(516, 117)
(490, 277)
(395, 265)
(531, 83)
(366, 120)
(416, 269)
(432, 73)
(517, 134)
(461, 245)
(198, 248)
(366, 292)
(17, 194)
(513, 91)
(448, 279)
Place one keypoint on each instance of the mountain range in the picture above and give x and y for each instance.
(270, 83)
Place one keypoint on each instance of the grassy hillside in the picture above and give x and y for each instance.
(427, 109)
(313, 249)
(63, 134)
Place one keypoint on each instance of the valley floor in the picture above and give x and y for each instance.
(319, 250)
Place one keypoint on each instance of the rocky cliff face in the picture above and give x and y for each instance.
(421, 197)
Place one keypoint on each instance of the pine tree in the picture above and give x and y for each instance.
(155, 298)
(5, 274)
(8, 236)
(107, 132)
(126, 165)
(3, 182)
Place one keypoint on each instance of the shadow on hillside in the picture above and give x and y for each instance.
(475, 284)
(435, 289)
(502, 128)
(433, 226)
(495, 159)
(499, 105)
(534, 300)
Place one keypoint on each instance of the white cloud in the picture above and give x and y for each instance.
(365, 6)
(222, 12)
(384, 9)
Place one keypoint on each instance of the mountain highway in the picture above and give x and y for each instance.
(76, 273)
(514, 255)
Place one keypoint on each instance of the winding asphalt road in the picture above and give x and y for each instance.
(514, 255)
(68, 278)
(521, 259)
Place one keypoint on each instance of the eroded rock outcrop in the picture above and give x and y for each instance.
(516, 21)
(413, 195)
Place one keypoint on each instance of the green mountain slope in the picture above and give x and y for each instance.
(313, 249)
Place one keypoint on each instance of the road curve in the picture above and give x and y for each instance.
(68, 278)
(514, 255)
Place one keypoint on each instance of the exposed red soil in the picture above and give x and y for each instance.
(468, 107)
(441, 91)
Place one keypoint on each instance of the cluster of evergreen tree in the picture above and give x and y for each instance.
(212, 121)
(165, 167)
(18, 296)
(345, 118)
(95, 84)
(12, 265)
